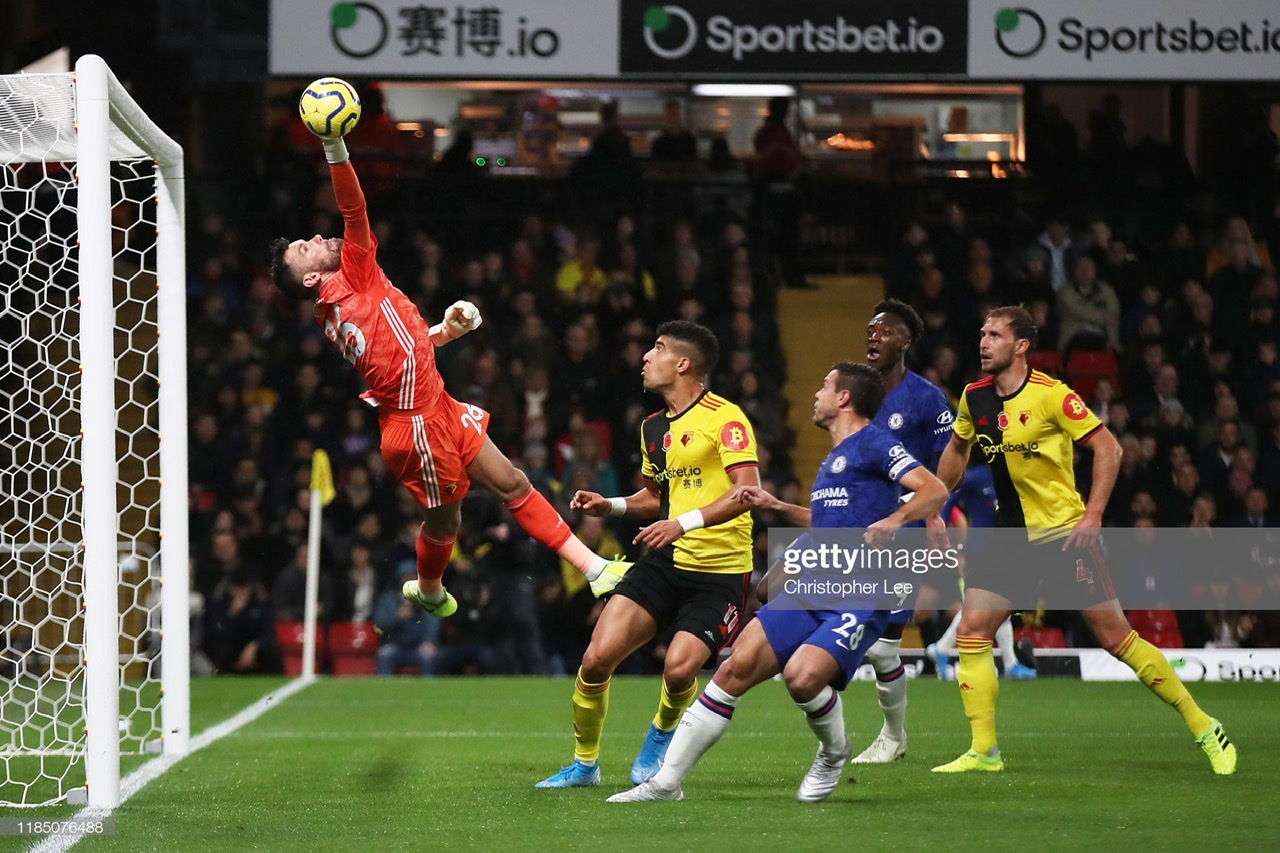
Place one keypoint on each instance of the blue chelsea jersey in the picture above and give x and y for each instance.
(976, 497)
(917, 414)
(857, 484)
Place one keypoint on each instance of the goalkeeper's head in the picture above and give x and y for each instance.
(298, 268)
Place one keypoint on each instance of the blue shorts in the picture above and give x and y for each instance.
(845, 634)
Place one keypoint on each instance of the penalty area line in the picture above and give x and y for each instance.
(153, 769)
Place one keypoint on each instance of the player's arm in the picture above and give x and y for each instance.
(346, 188)
(955, 458)
(459, 318)
(758, 498)
(928, 497)
(644, 504)
(722, 509)
(1106, 468)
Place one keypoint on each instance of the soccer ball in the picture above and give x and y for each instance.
(329, 107)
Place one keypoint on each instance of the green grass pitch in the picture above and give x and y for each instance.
(391, 764)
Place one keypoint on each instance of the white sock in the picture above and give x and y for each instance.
(700, 727)
(1004, 639)
(825, 715)
(892, 692)
(597, 566)
(946, 644)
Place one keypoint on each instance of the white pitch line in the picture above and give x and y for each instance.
(153, 769)
(798, 732)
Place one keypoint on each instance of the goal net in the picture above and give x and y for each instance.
(93, 504)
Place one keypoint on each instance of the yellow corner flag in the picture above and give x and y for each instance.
(322, 477)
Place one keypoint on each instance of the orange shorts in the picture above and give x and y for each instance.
(429, 449)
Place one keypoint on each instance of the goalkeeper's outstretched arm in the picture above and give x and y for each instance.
(346, 187)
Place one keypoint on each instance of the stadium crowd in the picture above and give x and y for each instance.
(1165, 325)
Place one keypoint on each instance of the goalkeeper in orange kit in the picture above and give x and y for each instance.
(435, 444)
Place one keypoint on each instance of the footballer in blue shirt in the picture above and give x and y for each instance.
(816, 650)
(916, 413)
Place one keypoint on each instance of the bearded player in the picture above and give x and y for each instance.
(1013, 408)
(436, 445)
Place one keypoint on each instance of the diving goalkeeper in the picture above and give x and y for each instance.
(436, 445)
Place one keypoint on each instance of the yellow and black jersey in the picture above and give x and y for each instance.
(1028, 439)
(689, 456)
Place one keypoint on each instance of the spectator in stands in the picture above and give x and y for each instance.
(674, 143)
(1257, 511)
(1236, 234)
(913, 254)
(1175, 499)
(1056, 241)
(289, 594)
(1215, 461)
(1232, 283)
(239, 630)
(355, 593)
(1262, 377)
(408, 637)
(1088, 311)
(1225, 621)
(1269, 459)
(567, 610)
(534, 343)
(1179, 259)
(1161, 387)
(951, 240)
(581, 280)
(582, 371)
(472, 637)
(486, 378)
(588, 467)
(764, 405)
(607, 177)
(358, 436)
(776, 208)
(1026, 277)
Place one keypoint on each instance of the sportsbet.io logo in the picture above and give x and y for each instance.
(358, 30)
(1020, 32)
(669, 31)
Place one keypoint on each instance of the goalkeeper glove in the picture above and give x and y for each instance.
(460, 318)
(335, 151)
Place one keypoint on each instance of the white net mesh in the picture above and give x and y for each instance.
(42, 697)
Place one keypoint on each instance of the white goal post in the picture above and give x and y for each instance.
(94, 545)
